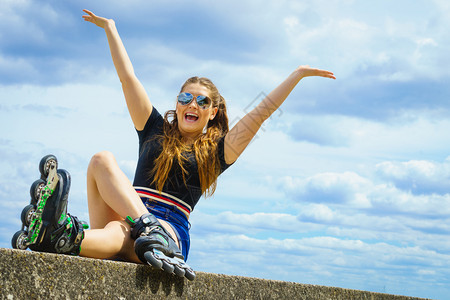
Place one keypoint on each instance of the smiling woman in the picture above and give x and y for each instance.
(181, 156)
(195, 123)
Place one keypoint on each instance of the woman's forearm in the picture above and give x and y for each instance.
(119, 54)
(275, 98)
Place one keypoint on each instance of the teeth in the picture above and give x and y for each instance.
(192, 115)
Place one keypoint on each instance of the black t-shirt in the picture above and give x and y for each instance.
(149, 150)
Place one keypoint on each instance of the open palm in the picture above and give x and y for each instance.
(307, 71)
(91, 17)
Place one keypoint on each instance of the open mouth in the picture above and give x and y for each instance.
(191, 117)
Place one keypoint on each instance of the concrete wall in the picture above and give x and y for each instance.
(32, 275)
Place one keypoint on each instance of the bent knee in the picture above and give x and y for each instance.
(102, 159)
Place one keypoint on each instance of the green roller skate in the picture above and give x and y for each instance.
(46, 225)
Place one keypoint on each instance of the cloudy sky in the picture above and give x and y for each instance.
(347, 185)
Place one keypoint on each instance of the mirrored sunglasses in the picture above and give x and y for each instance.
(203, 102)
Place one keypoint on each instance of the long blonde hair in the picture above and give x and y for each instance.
(204, 147)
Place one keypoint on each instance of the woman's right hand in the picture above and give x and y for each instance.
(99, 21)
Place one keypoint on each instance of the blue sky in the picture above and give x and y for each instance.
(346, 185)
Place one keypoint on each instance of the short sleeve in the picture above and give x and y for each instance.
(153, 125)
(221, 153)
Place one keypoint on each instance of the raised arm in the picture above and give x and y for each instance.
(243, 132)
(138, 103)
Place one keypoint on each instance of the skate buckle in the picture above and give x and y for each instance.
(130, 221)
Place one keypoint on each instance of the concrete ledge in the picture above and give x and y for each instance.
(33, 275)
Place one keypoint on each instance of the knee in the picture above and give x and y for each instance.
(101, 160)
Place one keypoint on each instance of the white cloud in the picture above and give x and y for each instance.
(318, 257)
(328, 188)
(14, 69)
(318, 213)
(251, 224)
(28, 22)
(359, 40)
(362, 193)
(323, 130)
(419, 177)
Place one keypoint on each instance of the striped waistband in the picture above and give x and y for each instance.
(164, 198)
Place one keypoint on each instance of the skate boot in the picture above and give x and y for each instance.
(155, 246)
(46, 225)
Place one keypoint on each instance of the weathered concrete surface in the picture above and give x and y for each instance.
(32, 275)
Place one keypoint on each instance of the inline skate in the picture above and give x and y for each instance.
(46, 225)
(154, 245)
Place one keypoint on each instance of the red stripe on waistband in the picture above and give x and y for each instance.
(164, 198)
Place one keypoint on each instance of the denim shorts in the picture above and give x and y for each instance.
(176, 219)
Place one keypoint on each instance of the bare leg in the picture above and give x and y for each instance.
(111, 198)
(111, 195)
(112, 241)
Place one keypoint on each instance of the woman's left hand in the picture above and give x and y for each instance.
(307, 71)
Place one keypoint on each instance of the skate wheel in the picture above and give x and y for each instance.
(35, 190)
(19, 239)
(168, 268)
(152, 260)
(189, 274)
(27, 214)
(47, 162)
(179, 271)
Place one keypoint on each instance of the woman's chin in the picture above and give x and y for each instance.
(191, 128)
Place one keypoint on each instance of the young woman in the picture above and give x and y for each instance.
(181, 156)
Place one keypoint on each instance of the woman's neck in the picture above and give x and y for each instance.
(189, 138)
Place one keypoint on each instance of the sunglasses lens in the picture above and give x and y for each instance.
(185, 98)
(203, 101)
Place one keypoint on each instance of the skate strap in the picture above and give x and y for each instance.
(150, 195)
(69, 236)
(79, 226)
(147, 224)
